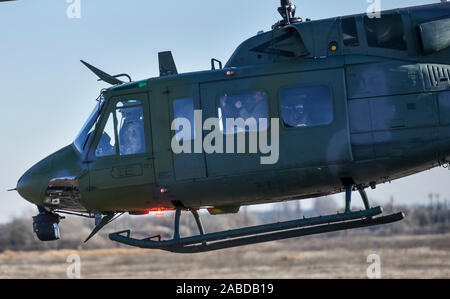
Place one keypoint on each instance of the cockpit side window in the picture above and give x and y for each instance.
(350, 32)
(130, 128)
(124, 132)
(386, 32)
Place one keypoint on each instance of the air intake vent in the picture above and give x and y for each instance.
(436, 75)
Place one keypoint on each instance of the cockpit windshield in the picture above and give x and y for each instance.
(83, 137)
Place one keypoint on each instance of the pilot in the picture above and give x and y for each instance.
(131, 135)
(104, 147)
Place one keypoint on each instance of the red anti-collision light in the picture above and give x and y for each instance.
(160, 211)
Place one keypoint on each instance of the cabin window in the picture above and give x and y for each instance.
(386, 32)
(183, 111)
(125, 123)
(350, 32)
(243, 112)
(306, 106)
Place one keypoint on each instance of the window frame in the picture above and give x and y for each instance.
(310, 84)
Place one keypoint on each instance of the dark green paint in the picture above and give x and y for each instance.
(390, 120)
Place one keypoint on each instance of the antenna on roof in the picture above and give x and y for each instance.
(167, 65)
(287, 11)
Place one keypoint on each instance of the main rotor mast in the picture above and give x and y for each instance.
(287, 12)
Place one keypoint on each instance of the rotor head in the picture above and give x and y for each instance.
(287, 11)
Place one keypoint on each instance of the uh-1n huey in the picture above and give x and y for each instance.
(354, 101)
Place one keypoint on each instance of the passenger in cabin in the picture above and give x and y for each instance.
(295, 115)
(131, 134)
(228, 109)
(243, 106)
(254, 106)
(301, 117)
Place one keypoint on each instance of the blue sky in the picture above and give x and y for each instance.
(46, 93)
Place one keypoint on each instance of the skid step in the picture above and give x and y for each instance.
(262, 233)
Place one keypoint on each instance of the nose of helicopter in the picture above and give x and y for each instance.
(32, 184)
(29, 187)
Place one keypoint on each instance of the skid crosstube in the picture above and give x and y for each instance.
(262, 233)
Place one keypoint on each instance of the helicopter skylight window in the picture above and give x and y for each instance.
(86, 131)
(184, 109)
(386, 32)
(306, 106)
(350, 32)
(250, 107)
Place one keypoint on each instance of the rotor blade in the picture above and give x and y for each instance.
(102, 75)
(105, 220)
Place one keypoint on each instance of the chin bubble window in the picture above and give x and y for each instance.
(306, 106)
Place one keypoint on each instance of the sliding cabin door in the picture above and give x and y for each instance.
(311, 111)
(314, 127)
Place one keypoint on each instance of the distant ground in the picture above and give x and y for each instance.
(420, 256)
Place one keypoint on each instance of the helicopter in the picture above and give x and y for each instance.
(347, 103)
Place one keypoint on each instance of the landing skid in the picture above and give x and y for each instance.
(263, 233)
